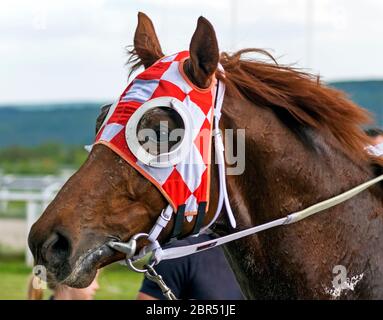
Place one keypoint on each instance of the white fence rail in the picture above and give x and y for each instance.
(37, 192)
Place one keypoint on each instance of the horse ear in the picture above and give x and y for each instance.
(146, 44)
(204, 54)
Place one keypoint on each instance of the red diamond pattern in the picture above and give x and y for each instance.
(203, 141)
(176, 187)
(203, 100)
(166, 88)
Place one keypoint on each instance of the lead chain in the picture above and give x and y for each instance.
(152, 275)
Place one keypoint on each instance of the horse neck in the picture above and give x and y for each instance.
(282, 176)
(283, 173)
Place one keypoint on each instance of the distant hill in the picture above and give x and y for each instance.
(73, 124)
(29, 127)
(368, 94)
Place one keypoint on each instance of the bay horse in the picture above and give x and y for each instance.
(304, 144)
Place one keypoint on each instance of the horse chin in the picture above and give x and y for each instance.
(86, 266)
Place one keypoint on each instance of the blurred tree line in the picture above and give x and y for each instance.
(47, 158)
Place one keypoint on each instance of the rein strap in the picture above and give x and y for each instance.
(182, 251)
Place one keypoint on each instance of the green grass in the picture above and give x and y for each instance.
(116, 281)
(13, 278)
(47, 158)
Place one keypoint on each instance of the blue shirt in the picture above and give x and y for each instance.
(202, 276)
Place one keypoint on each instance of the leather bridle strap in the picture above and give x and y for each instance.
(178, 222)
(199, 219)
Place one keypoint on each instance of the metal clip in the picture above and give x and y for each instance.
(152, 275)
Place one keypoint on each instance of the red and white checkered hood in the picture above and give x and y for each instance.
(188, 182)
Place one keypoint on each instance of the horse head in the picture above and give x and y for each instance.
(107, 199)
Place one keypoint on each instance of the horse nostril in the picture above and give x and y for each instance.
(56, 248)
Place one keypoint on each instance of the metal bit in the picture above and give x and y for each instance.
(128, 248)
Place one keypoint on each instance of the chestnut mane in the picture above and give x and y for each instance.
(298, 96)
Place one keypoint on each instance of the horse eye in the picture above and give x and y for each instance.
(155, 128)
(159, 136)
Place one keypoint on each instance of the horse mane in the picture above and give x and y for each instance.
(298, 96)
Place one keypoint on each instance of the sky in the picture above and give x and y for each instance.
(74, 50)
